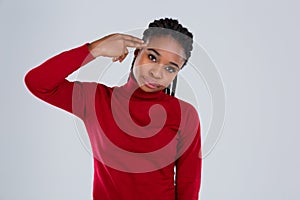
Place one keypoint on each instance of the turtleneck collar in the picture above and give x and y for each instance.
(132, 90)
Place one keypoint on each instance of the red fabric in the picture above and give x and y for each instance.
(137, 138)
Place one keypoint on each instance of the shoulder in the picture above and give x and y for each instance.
(188, 117)
(186, 107)
(184, 111)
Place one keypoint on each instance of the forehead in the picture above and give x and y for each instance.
(167, 45)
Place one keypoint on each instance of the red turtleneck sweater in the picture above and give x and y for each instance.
(137, 137)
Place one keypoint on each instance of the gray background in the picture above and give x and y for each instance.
(254, 44)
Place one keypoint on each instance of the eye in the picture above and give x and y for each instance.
(152, 57)
(170, 69)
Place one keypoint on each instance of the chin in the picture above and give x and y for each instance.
(147, 89)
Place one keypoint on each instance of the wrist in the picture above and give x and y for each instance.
(93, 50)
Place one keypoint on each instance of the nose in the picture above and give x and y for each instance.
(156, 72)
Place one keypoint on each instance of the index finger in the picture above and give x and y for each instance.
(132, 38)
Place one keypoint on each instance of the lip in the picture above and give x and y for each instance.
(151, 84)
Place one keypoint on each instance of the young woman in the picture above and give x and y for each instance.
(139, 132)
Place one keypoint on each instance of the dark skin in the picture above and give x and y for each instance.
(157, 62)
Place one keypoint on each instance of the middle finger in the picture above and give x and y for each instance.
(130, 43)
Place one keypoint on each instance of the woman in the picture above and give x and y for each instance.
(139, 132)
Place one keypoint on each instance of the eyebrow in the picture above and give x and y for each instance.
(172, 63)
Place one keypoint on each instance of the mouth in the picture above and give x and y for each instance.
(151, 84)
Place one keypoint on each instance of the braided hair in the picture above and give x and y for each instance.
(170, 27)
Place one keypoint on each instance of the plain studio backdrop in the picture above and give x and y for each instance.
(254, 45)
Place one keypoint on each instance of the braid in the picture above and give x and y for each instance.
(170, 27)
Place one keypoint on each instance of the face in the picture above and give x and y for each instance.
(157, 64)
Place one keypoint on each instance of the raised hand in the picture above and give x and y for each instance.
(115, 46)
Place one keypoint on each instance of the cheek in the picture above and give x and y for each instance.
(140, 65)
(168, 79)
(142, 68)
(136, 72)
(139, 69)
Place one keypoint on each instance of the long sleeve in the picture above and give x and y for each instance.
(48, 81)
(189, 164)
